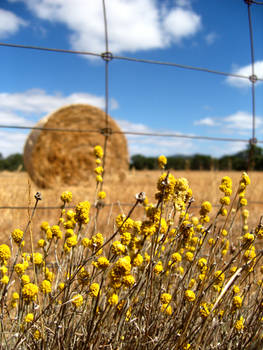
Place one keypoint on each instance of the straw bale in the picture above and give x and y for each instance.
(53, 158)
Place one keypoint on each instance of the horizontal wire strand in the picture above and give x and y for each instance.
(125, 58)
(135, 133)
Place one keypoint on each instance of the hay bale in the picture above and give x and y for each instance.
(53, 158)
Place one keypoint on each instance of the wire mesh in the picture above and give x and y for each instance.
(108, 56)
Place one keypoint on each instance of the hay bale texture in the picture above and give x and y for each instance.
(53, 158)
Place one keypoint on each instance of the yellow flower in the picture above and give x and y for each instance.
(113, 299)
(118, 248)
(56, 232)
(125, 238)
(204, 310)
(245, 179)
(236, 289)
(29, 318)
(44, 226)
(17, 235)
(211, 241)
(248, 237)
(158, 268)
(37, 334)
(97, 240)
(29, 292)
(189, 256)
(20, 269)
(189, 295)
(223, 211)
(41, 243)
(3, 270)
(5, 253)
(243, 202)
(77, 300)
(128, 280)
(103, 262)
(82, 212)
(138, 260)
(219, 276)
(165, 308)
(66, 197)
(98, 151)
(206, 207)
(61, 286)
(94, 289)
(25, 279)
(45, 287)
(72, 241)
(165, 185)
(4, 279)
(15, 296)
(165, 298)
(202, 262)
(99, 170)
(37, 258)
(101, 195)
(239, 325)
(99, 178)
(191, 283)
(245, 213)
(176, 257)
(225, 200)
(123, 265)
(249, 254)
(86, 242)
(162, 161)
(237, 301)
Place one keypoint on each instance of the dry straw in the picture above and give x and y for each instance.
(58, 157)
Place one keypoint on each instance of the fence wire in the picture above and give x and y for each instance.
(108, 56)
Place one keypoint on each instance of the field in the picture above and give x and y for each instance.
(126, 274)
(18, 190)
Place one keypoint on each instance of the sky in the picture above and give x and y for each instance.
(212, 34)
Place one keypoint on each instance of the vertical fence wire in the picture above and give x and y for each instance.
(106, 57)
(253, 80)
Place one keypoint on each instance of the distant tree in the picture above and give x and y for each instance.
(12, 162)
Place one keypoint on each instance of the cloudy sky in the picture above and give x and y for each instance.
(143, 97)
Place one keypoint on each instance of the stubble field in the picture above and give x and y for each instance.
(18, 190)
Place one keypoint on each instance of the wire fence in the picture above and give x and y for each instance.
(107, 56)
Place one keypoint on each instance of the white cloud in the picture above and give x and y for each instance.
(153, 145)
(181, 23)
(132, 25)
(11, 142)
(246, 71)
(206, 121)
(21, 108)
(210, 38)
(9, 118)
(37, 101)
(241, 121)
(9, 23)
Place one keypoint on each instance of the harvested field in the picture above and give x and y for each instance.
(15, 189)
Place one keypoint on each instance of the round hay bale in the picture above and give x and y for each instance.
(61, 157)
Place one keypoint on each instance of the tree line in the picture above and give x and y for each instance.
(251, 158)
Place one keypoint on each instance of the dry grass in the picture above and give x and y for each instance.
(173, 281)
(122, 187)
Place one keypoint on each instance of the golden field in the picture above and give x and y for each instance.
(162, 276)
(18, 190)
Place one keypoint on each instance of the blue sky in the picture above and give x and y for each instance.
(204, 33)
